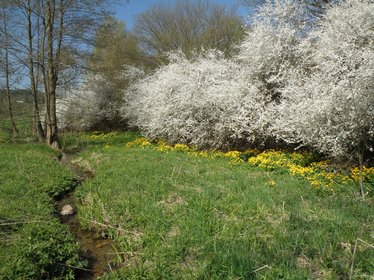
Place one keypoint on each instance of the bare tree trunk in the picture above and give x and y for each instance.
(52, 129)
(7, 74)
(10, 109)
(41, 75)
(37, 122)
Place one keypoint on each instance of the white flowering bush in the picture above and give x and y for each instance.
(92, 105)
(205, 102)
(328, 102)
(78, 110)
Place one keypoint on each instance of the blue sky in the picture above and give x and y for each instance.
(129, 9)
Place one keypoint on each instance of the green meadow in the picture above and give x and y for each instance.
(177, 215)
(174, 215)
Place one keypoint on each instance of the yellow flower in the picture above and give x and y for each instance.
(271, 183)
(299, 170)
(203, 154)
(181, 148)
(140, 142)
(366, 173)
(234, 156)
(164, 148)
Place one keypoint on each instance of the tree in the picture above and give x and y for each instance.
(188, 26)
(114, 50)
(7, 67)
(114, 47)
(59, 33)
(33, 77)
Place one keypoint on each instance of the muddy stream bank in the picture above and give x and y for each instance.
(96, 248)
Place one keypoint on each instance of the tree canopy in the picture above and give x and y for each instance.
(188, 26)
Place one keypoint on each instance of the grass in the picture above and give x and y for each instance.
(23, 118)
(33, 243)
(73, 141)
(178, 216)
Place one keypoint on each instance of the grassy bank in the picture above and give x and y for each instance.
(175, 215)
(33, 243)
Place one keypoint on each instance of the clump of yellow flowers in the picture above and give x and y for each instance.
(319, 174)
(140, 142)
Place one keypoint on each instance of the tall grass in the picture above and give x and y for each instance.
(177, 216)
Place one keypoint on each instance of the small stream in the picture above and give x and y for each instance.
(98, 251)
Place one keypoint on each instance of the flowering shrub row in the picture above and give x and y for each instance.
(293, 80)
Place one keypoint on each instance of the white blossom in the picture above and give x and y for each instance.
(328, 101)
(205, 102)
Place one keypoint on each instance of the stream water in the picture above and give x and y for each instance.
(97, 250)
